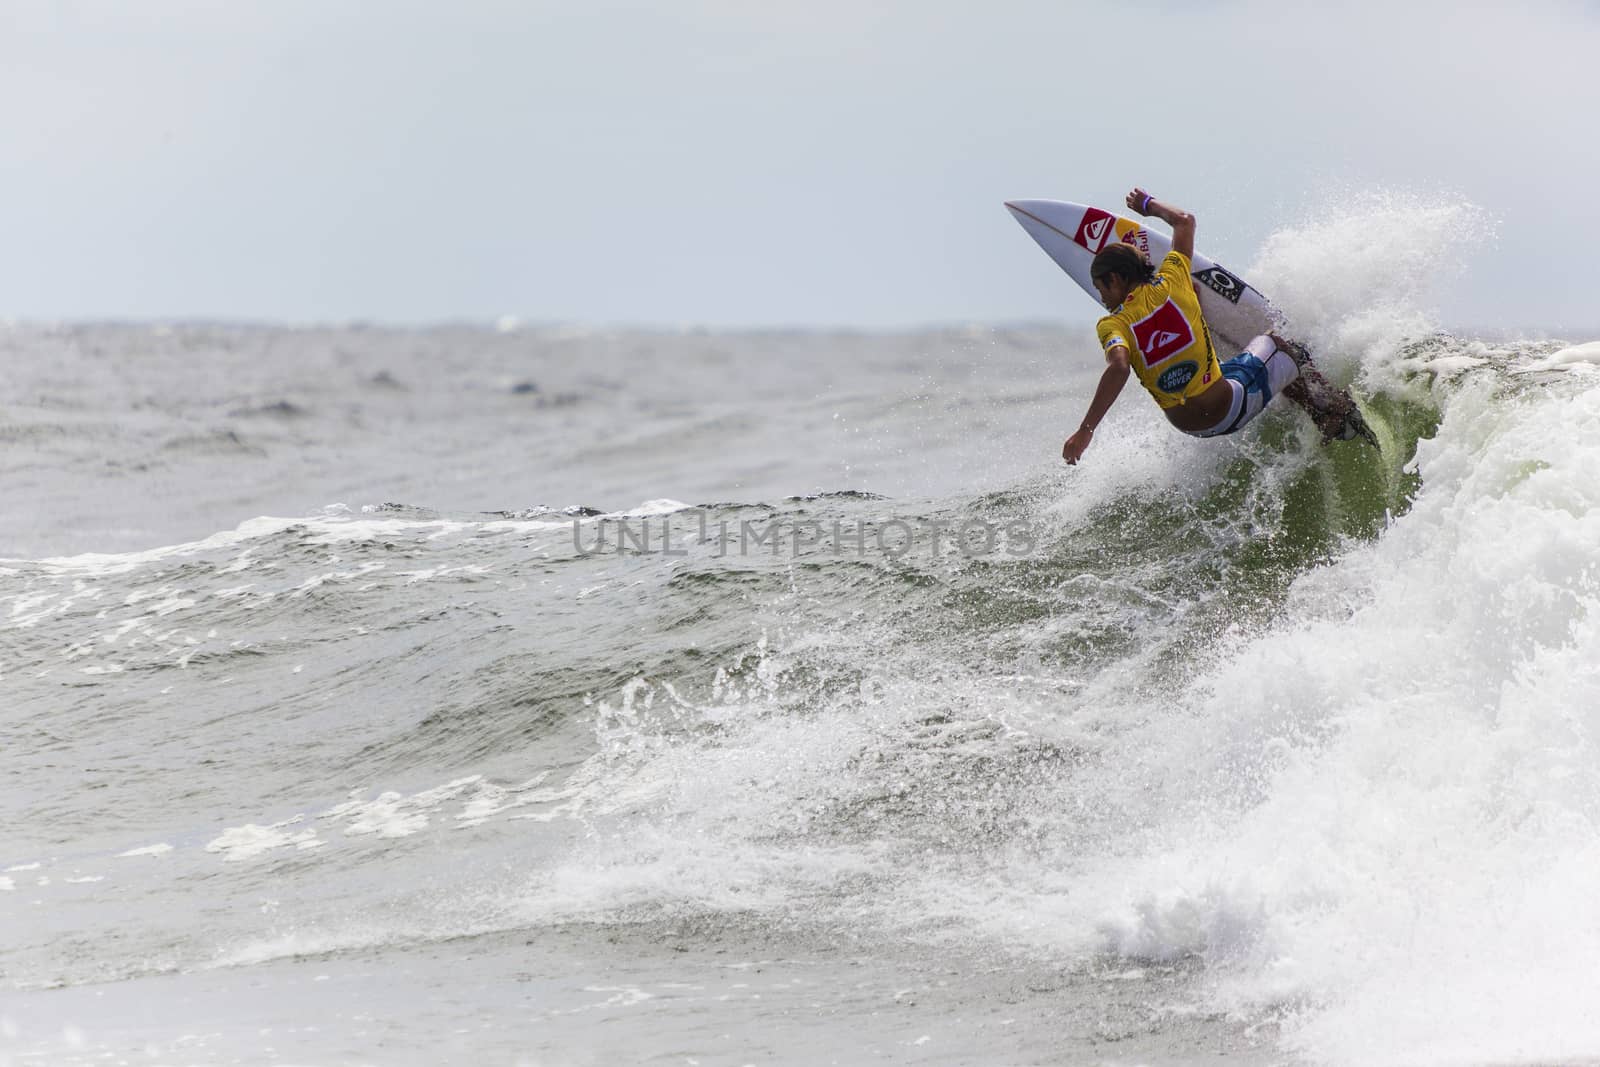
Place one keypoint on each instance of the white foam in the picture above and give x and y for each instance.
(97, 564)
(300, 943)
(491, 800)
(148, 850)
(249, 841)
(317, 581)
(650, 508)
(1584, 357)
(330, 529)
(1358, 278)
(442, 571)
(387, 816)
(393, 814)
(621, 996)
(332, 533)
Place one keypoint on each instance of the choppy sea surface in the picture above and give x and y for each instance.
(557, 696)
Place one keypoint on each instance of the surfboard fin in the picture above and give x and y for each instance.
(1336, 415)
(1355, 425)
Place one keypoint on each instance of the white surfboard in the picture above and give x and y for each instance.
(1072, 233)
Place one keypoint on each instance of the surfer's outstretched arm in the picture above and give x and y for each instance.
(1111, 383)
(1181, 221)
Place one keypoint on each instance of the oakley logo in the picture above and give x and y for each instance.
(1222, 283)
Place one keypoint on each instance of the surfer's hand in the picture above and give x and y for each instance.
(1076, 444)
(1139, 200)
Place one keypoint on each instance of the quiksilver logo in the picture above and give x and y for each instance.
(1097, 229)
(1162, 334)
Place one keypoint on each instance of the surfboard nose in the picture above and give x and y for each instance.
(1036, 217)
(1033, 214)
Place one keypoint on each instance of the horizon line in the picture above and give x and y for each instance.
(512, 324)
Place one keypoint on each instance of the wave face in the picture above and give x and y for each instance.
(1251, 745)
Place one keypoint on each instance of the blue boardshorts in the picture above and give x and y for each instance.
(1257, 374)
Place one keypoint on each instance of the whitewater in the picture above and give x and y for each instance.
(552, 695)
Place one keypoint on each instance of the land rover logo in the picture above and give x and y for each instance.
(1174, 378)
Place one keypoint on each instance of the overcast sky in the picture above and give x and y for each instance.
(739, 162)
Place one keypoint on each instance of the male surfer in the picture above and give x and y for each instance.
(1156, 329)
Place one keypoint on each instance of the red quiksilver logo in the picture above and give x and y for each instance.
(1162, 334)
(1094, 229)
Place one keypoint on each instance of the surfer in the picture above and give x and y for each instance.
(1156, 330)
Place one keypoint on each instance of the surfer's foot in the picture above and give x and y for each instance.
(1297, 392)
(1338, 419)
(1317, 396)
(1296, 350)
(1332, 409)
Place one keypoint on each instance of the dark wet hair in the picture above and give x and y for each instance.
(1123, 260)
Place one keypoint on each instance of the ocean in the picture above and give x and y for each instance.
(549, 695)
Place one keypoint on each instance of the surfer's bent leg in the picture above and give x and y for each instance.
(1257, 374)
